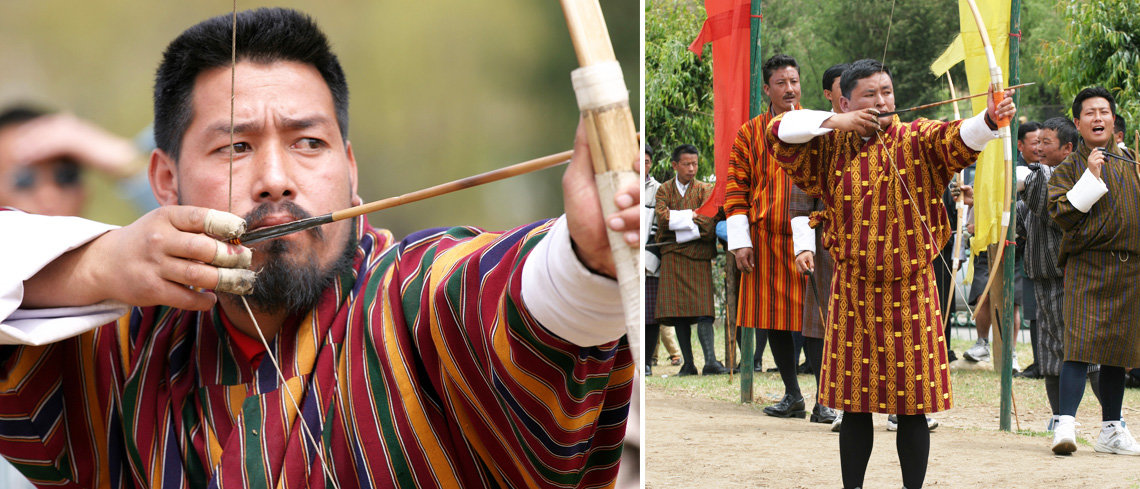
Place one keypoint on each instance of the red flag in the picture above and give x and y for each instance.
(728, 29)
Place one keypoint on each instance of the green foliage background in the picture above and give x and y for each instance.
(1100, 47)
(440, 89)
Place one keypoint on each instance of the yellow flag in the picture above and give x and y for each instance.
(989, 177)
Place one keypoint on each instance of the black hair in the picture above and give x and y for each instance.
(857, 71)
(19, 114)
(776, 62)
(264, 36)
(683, 150)
(1064, 128)
(1119, 125)
(1027, 128)
(649, 150)
(1092, 92)
(830, 74)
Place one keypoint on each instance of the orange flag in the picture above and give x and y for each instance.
(727, 28)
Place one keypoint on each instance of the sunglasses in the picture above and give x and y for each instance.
(65, 173)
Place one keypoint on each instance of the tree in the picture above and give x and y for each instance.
(678, 85)
(1101, 46)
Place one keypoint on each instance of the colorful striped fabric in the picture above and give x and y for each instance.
(420, 368)
(803, 205)
(1100, 251)
(772, 296)
(884, 348)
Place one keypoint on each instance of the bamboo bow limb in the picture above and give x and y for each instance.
(604, 103)
(951, 101)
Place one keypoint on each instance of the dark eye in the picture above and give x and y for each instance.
(309, 143)
(239, 148)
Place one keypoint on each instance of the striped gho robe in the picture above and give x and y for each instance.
(772, 296)
(418, 368)
(884, 348)
(1042, 250)
(1100, 252)
(804, 205)
(685, 288)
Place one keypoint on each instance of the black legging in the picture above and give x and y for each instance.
(1072, 389)
(813, 350)
(783, 352)
(857, 438)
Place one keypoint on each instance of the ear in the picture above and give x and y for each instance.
(353, 175)
(844, 104)
(163, 173)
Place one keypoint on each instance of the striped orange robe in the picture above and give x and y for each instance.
(884, 348)
(772, 296)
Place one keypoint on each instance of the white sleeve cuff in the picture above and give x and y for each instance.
(800, 126)
(1088, 190)
(1021, 173)
(42, 240)
(803, 236)
(566, 298)
(975, 133)
(681, 222)
(738, 235)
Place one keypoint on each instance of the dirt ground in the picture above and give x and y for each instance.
(693, 441)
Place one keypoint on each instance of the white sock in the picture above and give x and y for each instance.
(1109, 426)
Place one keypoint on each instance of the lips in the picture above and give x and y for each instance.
(272, 220)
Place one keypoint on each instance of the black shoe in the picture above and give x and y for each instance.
(804, 368)
(787, 408)
(714, 368)
(687, 369)
(822, 414)
(773, 369)
(757, 367)
(1030, 372)
(648, 370)
(951, 356)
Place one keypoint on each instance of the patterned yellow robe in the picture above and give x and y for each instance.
(884, 348)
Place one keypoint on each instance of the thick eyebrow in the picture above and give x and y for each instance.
(286, 122)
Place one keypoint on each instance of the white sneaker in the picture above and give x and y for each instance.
(1016, 366)
(1052, 422)
(980, 352)
(1115, 438)
(931, 423)
(892, 422)
(1064, 435)
(838, 421)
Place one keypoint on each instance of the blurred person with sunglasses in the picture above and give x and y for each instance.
(42, 157)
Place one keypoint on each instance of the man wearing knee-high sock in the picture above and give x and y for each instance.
(884, 347)
(684, 293)
(1094, 197)
(760, 234)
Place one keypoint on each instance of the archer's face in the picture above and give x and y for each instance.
(1095, 122)
(873, 92)
(289, 158)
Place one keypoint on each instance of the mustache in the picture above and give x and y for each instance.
(255, 217)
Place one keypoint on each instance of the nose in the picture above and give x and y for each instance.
(273, 178)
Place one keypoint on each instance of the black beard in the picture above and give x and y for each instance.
(294, 286)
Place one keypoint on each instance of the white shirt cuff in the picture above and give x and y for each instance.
(681, 222)
(738, 235)
(42, 240)
(1021, 173)
(803, 236)
(1088, 190)
(800, 126)
(565, 297)
(975, 133)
